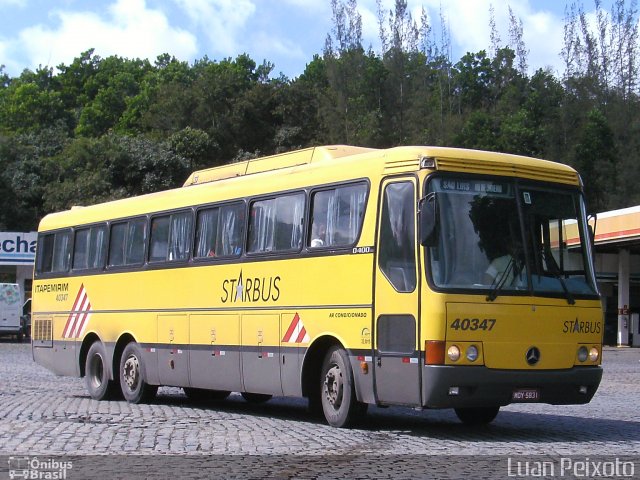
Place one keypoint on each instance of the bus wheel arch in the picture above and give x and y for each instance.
(312, 381)
(89, 340)
(312, 366)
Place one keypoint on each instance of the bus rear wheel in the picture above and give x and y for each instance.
(477, 415)
(96, 377)
(133, 382)
(337, 390)
(204, 395)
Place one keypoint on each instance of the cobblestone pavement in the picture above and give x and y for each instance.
(41, 414)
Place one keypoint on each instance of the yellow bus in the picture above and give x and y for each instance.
(420, 276)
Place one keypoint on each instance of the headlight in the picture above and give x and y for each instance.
(453, 352)
(594, 354)
(583, 354)
(472, 353)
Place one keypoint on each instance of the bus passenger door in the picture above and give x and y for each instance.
(395, 340)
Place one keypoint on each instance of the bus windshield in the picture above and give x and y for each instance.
(508, 237)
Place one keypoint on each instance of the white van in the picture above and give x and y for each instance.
(11, 322)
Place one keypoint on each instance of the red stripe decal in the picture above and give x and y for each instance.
(292, 327)
(301, 335)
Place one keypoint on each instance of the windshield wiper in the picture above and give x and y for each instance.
(555, 272)
(557, 275)
(501, 280)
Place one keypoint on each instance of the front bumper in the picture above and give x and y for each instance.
(481, 386)
(11, 330)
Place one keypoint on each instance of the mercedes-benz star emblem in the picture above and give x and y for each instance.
(533, 356)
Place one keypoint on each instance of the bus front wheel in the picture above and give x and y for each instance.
(99, 386)
(337, 390)
(477, 415)
(135, 388)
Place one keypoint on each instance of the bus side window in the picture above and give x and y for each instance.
(97, 247)
(397, 236)
(220, 231)
(336, 217)
(126, 246)
(231, 230)
(159, 239)
(180, 236)
(45, 253)
(117, 244)
(81, 249)
(276, 224)
(89, 248)
(206, 232)
(62, 252)
(137, 237)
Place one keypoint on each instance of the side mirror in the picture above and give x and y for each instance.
(428, 220)
(592, 235)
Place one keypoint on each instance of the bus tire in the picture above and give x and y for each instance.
(96, 374)
(477, 415)
(204, 395)
(133, 383)
(337, 390)
(256, 397)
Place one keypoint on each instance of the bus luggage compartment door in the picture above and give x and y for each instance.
(173, 350)
(261, 354)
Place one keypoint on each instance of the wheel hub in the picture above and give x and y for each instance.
(333, 386)
(131, 371)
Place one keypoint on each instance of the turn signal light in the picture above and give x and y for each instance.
(594, 354)
(434, 352)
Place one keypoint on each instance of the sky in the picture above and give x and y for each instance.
(286, 33)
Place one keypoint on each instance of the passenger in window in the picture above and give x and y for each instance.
(159, 239)
(318, 235)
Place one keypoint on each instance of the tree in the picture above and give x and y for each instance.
(516, 41)
(595, 159)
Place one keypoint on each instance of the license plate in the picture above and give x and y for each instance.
(526, 395)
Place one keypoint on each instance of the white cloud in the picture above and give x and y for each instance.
(267, 44)
(313, 5)
(221, 21)
(131, 30)
(16, 3)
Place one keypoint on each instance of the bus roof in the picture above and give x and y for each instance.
(325, 165)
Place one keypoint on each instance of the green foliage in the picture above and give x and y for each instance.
(595, 157)
(104, 128)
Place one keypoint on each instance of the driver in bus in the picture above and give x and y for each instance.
(507, 267)
(499, 239)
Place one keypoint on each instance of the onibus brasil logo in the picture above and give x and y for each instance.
(38, 468)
